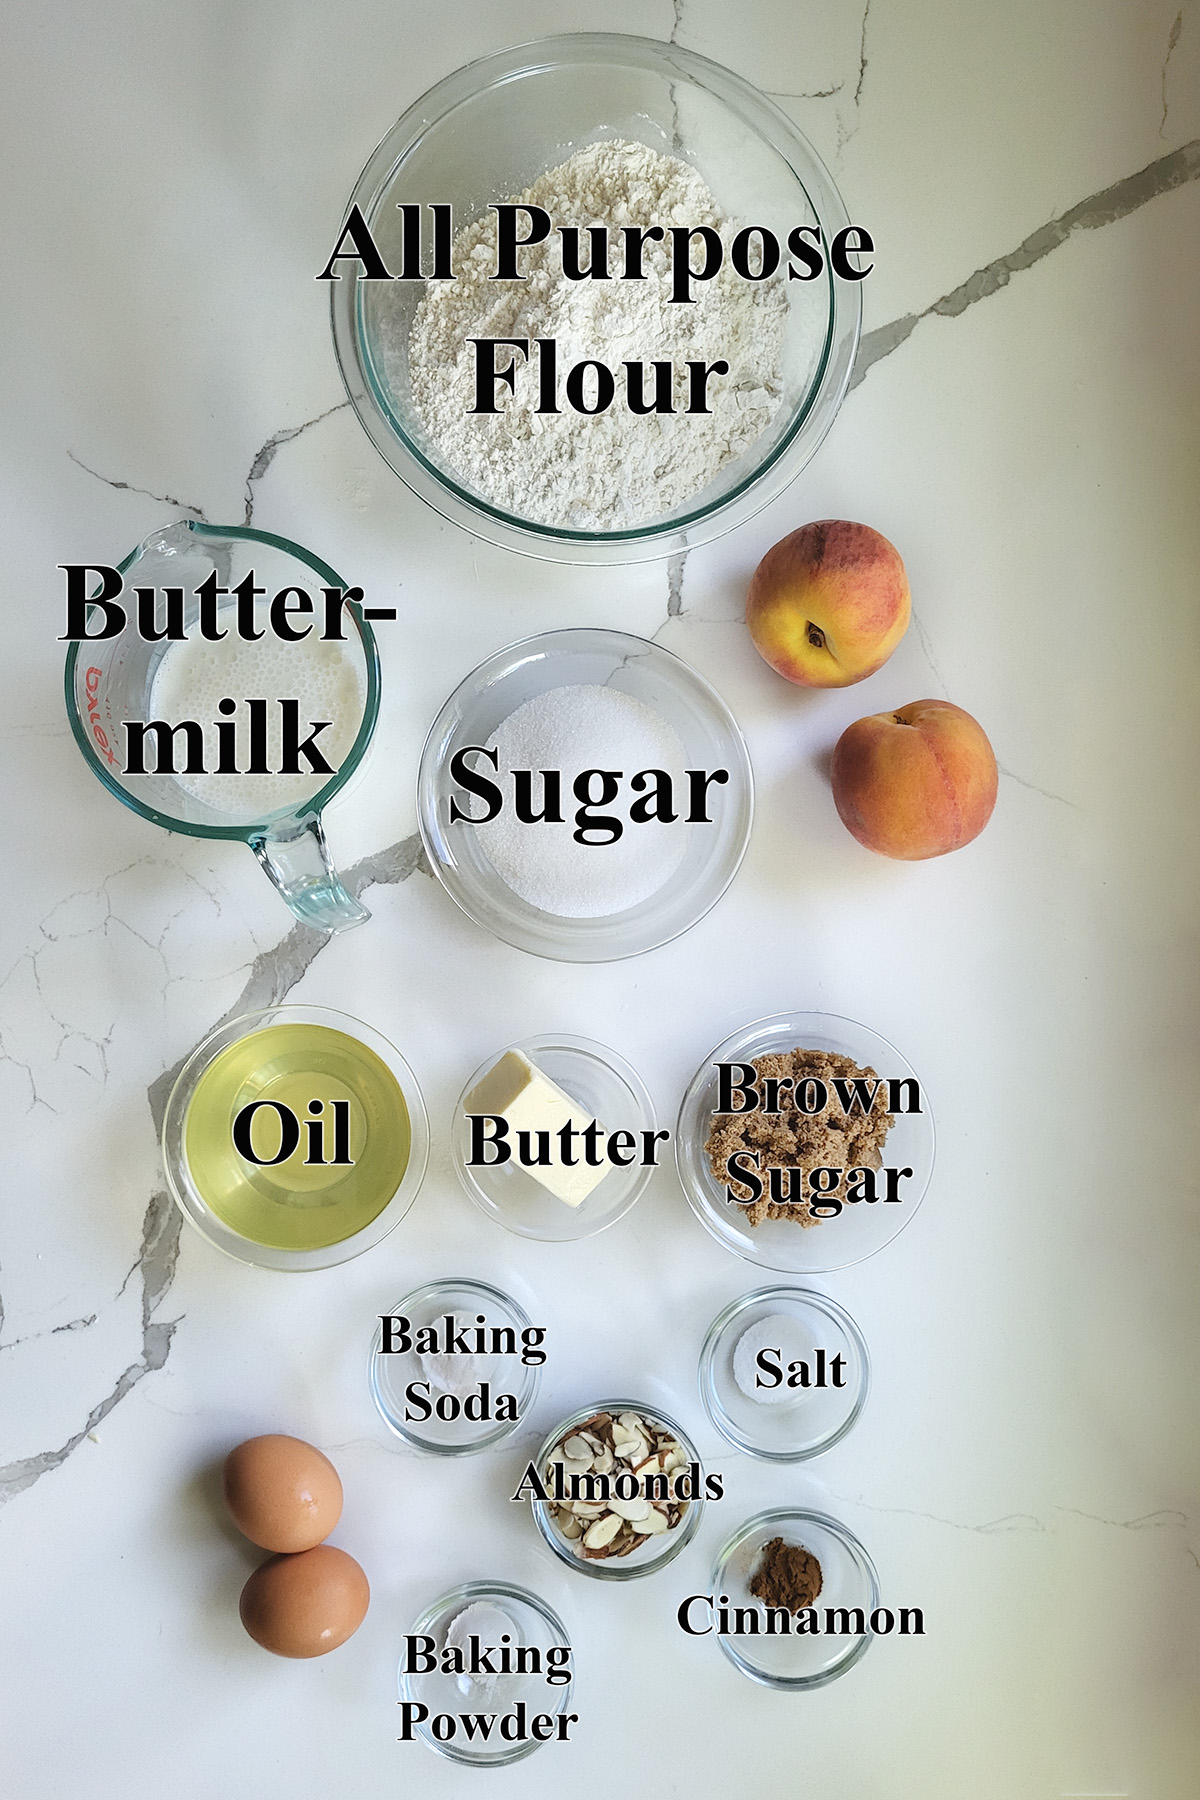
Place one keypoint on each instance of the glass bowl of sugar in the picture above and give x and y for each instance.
(585, 795)
(647, 162)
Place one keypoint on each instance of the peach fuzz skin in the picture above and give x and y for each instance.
(828, 604)
(916, 782)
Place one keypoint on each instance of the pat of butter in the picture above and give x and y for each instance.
(527, 1100)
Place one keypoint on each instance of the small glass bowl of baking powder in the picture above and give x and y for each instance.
(435, 1399)
(696, 861)
(651, 1552)
(483, 136)
(519, 1669)
(775, 1650)
(864, 1224)
(784, 1373)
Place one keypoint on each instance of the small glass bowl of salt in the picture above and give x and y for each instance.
(473, 1390)
(784, 1373)
(612, 871)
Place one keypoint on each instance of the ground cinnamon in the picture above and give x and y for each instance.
(788, 1576)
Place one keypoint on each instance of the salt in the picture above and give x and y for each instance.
(572, 729)
(782, 1333)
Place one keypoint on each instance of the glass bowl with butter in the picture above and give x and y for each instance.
(575, 1128)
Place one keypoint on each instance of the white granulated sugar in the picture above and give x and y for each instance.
(618, 468)
(572, 729)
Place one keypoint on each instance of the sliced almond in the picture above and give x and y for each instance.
(578, 1450)
(653, 1524)
(633, 1510)
(654, 1464)
(602, 1532)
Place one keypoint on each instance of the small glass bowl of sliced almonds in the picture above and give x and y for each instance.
(624, 1490)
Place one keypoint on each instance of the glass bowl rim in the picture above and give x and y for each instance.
(771, 125)
(486, 676)
(743, 1039)
(674, 1541)
(532, 1372)
(784, 1516)
(725, 1318)
(555, 1040)
(268, 1256)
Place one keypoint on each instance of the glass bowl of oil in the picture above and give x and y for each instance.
(295, 1138)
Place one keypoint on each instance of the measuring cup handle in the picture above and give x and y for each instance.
(295, 856)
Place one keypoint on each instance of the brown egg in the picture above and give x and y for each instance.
(282, 1493)
(307, 1604)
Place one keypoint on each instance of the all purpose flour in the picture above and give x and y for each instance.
(617, 468)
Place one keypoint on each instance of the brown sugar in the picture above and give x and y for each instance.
(788, 1575)
(837, 1137)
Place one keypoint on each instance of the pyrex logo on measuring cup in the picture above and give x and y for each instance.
(223, 693)
(91, 687)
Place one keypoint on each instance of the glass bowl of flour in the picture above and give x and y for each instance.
(585, 795)
(596, 405)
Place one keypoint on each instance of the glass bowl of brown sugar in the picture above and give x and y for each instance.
(805, 1142)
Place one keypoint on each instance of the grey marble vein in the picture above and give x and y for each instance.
(1035, 789)
(862, 54)
(1102, 208)
(1175, 34)
(129, 488)
(675, 568)
(843, 134)
(270, 450)
(807, 94)
(33, 1337)
(927, 649)
(273, 974)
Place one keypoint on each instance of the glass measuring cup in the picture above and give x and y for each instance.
(109, 682)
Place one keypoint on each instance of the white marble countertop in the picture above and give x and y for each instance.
(1024, 428)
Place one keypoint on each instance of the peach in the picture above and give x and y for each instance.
(828, 604)
(916, 782)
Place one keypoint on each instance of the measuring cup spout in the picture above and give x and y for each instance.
(296, 858)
